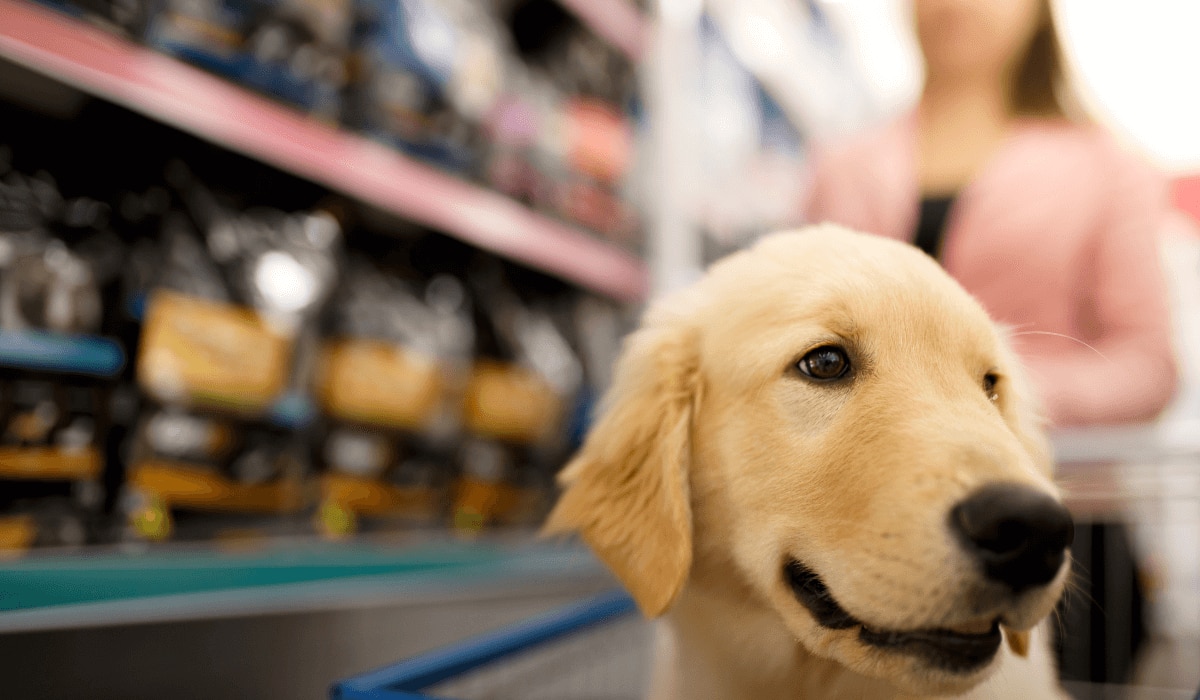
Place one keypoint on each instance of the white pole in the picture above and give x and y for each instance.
(675, 251)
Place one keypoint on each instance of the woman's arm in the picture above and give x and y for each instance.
(1130, 375)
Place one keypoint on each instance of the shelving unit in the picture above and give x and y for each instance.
(176, 583)
(164, 89)
(100, 587)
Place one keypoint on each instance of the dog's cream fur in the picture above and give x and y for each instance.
(714, 461)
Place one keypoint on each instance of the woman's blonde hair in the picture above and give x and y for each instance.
(1039, 87)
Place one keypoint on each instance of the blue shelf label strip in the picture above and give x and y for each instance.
(55, 352)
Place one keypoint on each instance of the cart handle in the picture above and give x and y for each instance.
(400, 680)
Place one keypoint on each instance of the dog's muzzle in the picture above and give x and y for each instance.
(945, 649)
(1017, 536)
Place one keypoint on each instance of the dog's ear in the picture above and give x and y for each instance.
(626, 491)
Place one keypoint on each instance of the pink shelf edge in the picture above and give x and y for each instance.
(204, 105)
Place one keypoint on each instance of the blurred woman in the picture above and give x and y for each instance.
(1043, 217)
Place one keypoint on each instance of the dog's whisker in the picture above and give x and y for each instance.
(1068, 337)
(1060, 622)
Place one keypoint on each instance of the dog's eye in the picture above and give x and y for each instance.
(825, 363)
(989, 386)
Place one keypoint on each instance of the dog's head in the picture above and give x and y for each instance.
(829, 420)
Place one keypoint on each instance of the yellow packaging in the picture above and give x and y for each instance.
(201, 489)
(509, 403)
(479, 503)
(379, 383)
(373, 498)
(17, 533)
(210, 353)
(49, 463)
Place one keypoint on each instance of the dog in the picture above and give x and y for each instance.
(821, 466)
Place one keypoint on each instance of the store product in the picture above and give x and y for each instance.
(524, 380)
(51, 487)
(517, 93)
(294, 50)
(227, 336)
(390, 380)
(426, 71)
(559, 137)
(187, 460)
(56, 256)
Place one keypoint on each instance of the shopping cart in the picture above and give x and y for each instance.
(598, 649)
(595, 650)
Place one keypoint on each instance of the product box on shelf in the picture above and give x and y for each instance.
(294, 50)
(566, 158)
(424, 73)
(599, 151)
(516, 406)
(51, 460)
(389, 381)
(217, 370)
(206, 462)
(226, 344)
(211, 354)
(559, 137)
(509, 412)
(57, 259)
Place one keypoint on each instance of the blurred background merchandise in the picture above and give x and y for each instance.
(304, 302)
(322, 366)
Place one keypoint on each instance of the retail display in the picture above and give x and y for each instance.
(57, 259)
(389, 378)
(227, 328)
(561, 134)
(310, 370)
(517, 94)
(295, 50)
(232, 351)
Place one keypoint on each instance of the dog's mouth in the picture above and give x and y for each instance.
(958, 651)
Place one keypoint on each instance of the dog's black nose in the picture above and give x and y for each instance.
(1020, 535)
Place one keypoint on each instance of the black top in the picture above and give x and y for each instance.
(931, 225)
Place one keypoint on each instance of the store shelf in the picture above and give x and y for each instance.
(189, 99)
(185, 583)
(618, 22)
(44, 351)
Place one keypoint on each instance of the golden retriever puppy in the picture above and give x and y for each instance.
(820, 465)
